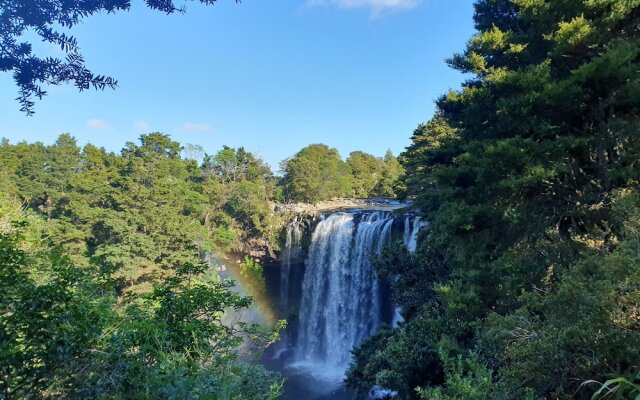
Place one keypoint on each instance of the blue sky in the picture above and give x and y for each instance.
(272, 76)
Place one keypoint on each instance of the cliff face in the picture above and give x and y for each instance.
(307, 215)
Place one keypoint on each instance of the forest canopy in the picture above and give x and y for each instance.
(66, 333)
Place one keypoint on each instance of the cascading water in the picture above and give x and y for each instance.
(410, 239)
(341, 297)
(329, 293)
(410, 236)
(406, 236)
(290, 255)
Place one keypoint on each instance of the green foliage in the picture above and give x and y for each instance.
(129, 311)
(141, 214)
(172, 344)
(619, 387)
(529, 178)
(411, 277)
(63, 335)
(401, 359)
(466, 378)
(387, 186)
(374, 177)
(231, 165)
(243, 187)
(252, 271)
(316, 173)
(8, 164)
(49, 320)
(367, 172)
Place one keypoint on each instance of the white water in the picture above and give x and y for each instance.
(290, 255)
(410, 239)
(411, 234)
(341, 297)
(406, 236)
(338, 301)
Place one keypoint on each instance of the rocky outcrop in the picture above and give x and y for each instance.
(383, 204)
(307, 216)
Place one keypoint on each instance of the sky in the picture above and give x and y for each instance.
(272, 76)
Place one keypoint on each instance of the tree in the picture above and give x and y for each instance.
(316, 173)
(142, 213)
(242, 185)
(529, 178)
(173, 343)
(193, 152)
(8, 166)
(49, 317)
(391, 172)
(65, 332)
(156, 144)
(44, 17)
(367, 172)
(231, 165)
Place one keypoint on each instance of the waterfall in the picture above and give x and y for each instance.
(406, 236)
(410, 239)
(411, 234)
(290, 255)
(340, 304)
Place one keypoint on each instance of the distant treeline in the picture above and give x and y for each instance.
(318, 173)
